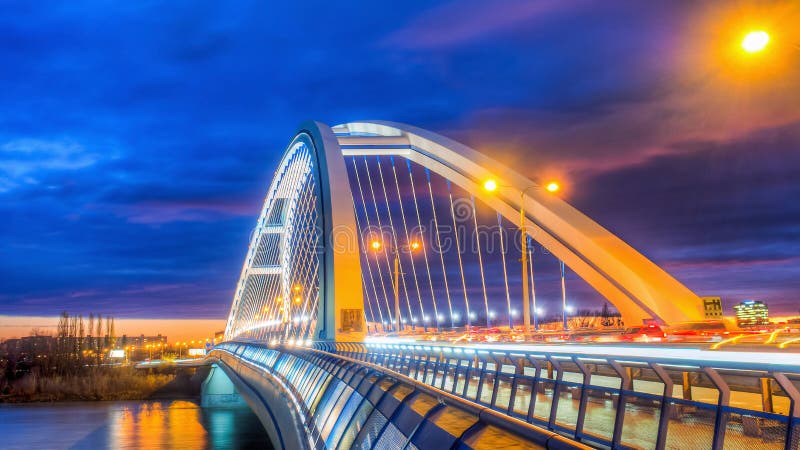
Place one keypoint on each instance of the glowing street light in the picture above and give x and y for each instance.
(412, 246)
(755, 41)
(552, 187)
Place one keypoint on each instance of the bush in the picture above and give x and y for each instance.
(119, 383)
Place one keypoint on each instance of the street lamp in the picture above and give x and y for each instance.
(565, 311)
(491, 185)
(755, 41)
(411, 247)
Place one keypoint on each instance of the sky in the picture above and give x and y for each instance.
(137, 139)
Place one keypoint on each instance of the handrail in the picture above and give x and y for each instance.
(761, 365)
(711, 375)
(484, 414)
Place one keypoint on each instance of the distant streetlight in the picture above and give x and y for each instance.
(411, 247)
(755, 41)
(491, 185)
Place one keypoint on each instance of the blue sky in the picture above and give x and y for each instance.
(137, 139)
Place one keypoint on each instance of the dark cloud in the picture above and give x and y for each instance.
(137, 140)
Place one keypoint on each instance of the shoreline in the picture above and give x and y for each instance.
(127, 385)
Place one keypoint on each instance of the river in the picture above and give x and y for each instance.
(171, 424)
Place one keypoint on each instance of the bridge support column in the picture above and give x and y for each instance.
(218, 390)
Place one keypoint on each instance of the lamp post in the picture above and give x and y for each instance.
(533, 296)
(412, 246)
(563, 297)
(552, 187)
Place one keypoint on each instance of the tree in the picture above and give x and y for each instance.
(99, 338)
(606, 315)
(81, 336)
(61, 354)
(91, 327)
(112, 337)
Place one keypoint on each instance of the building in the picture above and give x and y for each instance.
(219, 336)
(141, 341)
(751, 313)
(712, 307)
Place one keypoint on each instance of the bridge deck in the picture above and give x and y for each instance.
(354, 404)
(668, 402)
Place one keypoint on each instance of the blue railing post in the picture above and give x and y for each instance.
(666, 405)
(582, 402)
(496, 379)
(556, 391)
(626, 383)
(721, 418)
(444, 371)
(468, 375)
(793, 419)
(534, 387)
(519, 369)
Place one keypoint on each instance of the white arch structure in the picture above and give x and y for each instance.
(636, 286)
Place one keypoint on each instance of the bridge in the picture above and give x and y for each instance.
(383, 249)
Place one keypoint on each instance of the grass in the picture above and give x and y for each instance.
(119, 383)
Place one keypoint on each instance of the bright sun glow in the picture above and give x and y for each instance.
(552, 186)
(376, 245)
(490, 185)
(755, 41)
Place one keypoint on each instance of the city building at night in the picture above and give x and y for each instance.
(751, 313)
(141, 340)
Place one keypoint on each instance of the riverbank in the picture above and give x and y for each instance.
(104, 384)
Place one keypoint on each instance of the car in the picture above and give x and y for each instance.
(517, 337)
(468, 337)
(706, 331)
(644, 333)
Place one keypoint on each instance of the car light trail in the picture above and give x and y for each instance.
(693, 356)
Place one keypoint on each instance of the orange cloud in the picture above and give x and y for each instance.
(174, 329)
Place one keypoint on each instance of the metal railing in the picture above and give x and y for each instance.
(348, 402)
(610, 401)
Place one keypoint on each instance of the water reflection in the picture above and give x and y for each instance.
(132, 425)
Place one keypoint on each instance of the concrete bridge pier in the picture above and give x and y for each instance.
(243, 384)
(218, 390)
